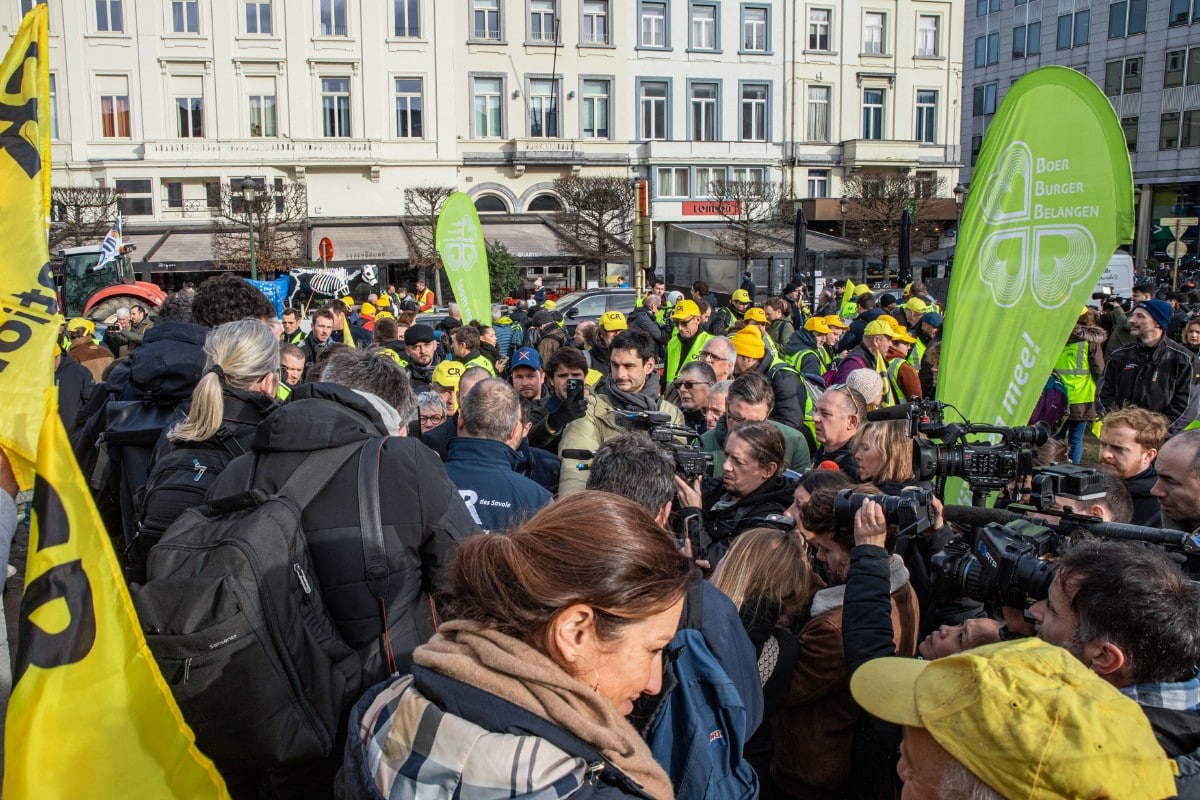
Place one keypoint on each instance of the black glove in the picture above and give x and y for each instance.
(574, 407)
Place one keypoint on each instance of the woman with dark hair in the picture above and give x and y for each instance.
(751, 491)
(552, 632)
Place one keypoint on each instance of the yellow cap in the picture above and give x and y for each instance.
(348, 301)
(878, 327)
(1025, 717)
(861, 289)
(367, 310)
(383, 313)
(82, 322)
(613, 321)
(748, 342)
(816, 325)
(916, 304)
(686, 309)
(756, 315)
(447, 374)
(834, 321)
(549, 305)
(384, 301)
(740, 296)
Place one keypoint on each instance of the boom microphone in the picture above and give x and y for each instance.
(977, 517)
(900, 411)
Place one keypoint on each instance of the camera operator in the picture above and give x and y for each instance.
(836, 417)
(750, 399)
(1178, 485)
(1130, 439)
(1127, 611)
(814, 731)
(749, 492)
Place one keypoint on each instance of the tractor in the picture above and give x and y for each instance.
(98, 293)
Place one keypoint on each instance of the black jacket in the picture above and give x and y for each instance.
(1158, 378)
(1146, 510)
(790, 394)
(74, 386)
(642, 320)
(423, 517)
(1178, 733)
(722, 526)
(853, 337)
(803, 339)
(843, 457)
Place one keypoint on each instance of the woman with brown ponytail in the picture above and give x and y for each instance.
(551, 632)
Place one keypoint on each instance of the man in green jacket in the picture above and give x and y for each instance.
(751, 399)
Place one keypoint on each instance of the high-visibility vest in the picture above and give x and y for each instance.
(1072, 367)
(481, 361)
(893, 376)
(283, 392)
(916, 353)
(777, 364)
(674, 362)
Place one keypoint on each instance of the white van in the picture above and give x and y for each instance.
(1117, 279)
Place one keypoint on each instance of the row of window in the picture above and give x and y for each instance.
(1124, 76)
(705, 29)
(874, 33)
(702, 182)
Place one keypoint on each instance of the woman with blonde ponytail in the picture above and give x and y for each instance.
(235, 393)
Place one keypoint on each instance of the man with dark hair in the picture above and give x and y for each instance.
(292, 333)
(482, 459)
(320, 337)
(363, 397)
(565, 369)
(358, 336)
(631, 389)
(132, 334)
(228, 298)
(791, 397)
(464, 345)
(421, 350)
(1178, 484)
(1130, 614)
(751, 399)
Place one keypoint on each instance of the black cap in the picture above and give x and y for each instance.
(791, 287)
(887, 300)
(419, 333)
(542, 317)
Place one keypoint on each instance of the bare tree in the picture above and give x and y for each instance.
(280, 214)
(747, 207)
(596, 218)
(875, 201)
(422, 205)
(80, 215)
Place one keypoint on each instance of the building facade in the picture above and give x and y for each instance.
(172, 102)
(1144, 54)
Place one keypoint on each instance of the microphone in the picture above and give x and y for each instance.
(978, 517)
(578, 455)
(829, 465)
(900, 411)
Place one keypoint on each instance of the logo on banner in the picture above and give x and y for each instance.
(459, 250)
(1035, 249)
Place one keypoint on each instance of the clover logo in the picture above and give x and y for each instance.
(1048, 259)
(459, 250)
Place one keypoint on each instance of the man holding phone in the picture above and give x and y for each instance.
(566, 370)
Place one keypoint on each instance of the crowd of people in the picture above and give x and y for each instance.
(583, 524)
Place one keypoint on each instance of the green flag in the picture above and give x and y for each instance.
(1051, 198)
(464, 255)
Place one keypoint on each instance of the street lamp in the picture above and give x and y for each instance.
(960, 193)
(249, 190)
(842, 203)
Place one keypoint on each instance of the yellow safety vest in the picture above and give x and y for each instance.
(674, 362)
(1072, 367)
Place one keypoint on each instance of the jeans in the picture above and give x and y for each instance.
(1074, 431)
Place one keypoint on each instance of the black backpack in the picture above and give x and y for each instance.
(179, 480)
(234, 617)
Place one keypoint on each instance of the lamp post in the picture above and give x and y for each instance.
(960, 193)
(249, 190)
(842, 204)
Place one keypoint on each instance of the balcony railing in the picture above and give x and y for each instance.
(287, 150)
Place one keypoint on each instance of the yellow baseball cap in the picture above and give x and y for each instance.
(383, 313)
(348, 301)
(834, 321)
(756, 315)
(740, 296)
(367, 309)
(748, 342)
(384, 301)
(816, 325)
(861, 289)
(447, 374)
(915, 304)
(82, 322)
(549, 305)
(878, 327)
(685, 309)
(613, 321)
(1025, 717)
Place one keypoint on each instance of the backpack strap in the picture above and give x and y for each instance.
(314, 473)
(370, 526)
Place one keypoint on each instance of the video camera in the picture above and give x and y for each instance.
(910, 511)
(690, 460)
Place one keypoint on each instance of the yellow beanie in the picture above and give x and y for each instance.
(748, 342)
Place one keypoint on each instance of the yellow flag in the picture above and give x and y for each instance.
(89, 715)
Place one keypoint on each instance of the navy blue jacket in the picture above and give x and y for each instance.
(484, 471)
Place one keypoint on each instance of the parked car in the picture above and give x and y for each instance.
(589, 305)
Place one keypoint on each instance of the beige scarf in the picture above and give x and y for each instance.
(514, 671)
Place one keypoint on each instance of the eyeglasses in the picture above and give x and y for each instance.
(693, 384)
(432, 419)
(709, 355)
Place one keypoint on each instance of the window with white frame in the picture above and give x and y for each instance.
(541, 21)
(595, 22)
(335, 107)
(652, 102)
(188, 94)
(485, 16)
(409, 111)
(406, 18)
(872, 113)
(928, 41)
(653, 25)
(672, 182)
(53, 107)
(702, 98)
(818, 183)
(543, 108)
(819, 21)
(258, 17)
(185, 16)
(595, 109)
(114, 106)
(874, 33)
(709, 181)
(261, 106)
(754, 29)
(754, 112)
(333, 18)
(704, 27)
(110, 16)
(749, 176)
(488, 110)
(818, 114)
(135, 197)
(926, 116)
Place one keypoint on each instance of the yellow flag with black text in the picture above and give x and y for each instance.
(89, 715)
